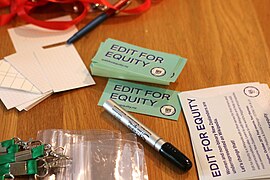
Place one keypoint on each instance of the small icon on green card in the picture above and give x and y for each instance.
(143, 99)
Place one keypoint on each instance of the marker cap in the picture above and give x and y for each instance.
(175, 156)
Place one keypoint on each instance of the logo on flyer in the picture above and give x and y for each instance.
(251, 91)
(158, 71)
(167, 110)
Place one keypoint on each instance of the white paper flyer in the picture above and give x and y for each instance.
(230, 130)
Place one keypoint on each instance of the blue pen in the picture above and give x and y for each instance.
(98, 20)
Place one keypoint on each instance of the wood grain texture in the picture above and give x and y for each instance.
(226, 42)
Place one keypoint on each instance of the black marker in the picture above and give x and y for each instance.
(164, 148)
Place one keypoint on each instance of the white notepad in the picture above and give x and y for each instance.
(64, 68)
(26, 63)
(49, 70)
(12, 79)
(12, 98)
(30, 37)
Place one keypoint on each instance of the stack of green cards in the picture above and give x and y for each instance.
(121, 60)
(143, 99)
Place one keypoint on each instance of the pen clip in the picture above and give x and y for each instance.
(127, 3)
(97, 6)
(101, 7)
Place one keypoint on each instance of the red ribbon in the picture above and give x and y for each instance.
(22, 8)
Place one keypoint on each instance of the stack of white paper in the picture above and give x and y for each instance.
(230, 130)
(34, 73)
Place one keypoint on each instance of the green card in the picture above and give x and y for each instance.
(131, 62)
(143, 99)
(146, 62)
(100, 70)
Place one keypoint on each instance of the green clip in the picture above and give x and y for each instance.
(22, 155)
(19, 168)
(11, 149)
(5, 144)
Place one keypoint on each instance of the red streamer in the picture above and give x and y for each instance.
(22, 8)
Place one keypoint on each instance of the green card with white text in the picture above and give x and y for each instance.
(143, 99)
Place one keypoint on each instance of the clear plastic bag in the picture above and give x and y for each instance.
(97, 154)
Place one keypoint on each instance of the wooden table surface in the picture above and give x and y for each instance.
(225, 42)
